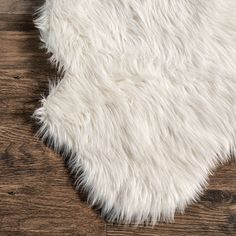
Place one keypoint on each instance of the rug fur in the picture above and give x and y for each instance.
(147, 103)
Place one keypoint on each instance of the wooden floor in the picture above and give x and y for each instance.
(36, 192)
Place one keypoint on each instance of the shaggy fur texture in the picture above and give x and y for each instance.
(147, 105)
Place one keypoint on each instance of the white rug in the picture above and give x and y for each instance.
(147, 104)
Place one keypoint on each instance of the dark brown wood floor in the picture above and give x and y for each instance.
(36, 192)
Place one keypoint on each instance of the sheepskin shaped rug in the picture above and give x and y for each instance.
(147, 103)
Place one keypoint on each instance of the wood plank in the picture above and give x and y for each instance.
(19, 6)
(24, 72)
(22, 89)
(20, 22)
(21, 50)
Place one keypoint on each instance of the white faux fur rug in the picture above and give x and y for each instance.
(147, 105)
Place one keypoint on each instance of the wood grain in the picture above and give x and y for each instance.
(37, 196)
(19, 6)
